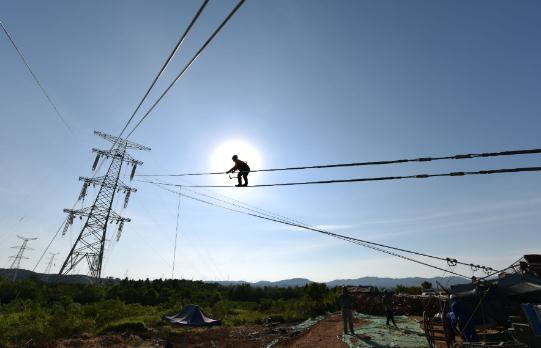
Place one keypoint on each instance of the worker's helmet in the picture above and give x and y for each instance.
(235, 157)
(452, 297)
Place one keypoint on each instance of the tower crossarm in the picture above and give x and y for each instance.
(115, 152)
(85, 212)
(99, 180)
(122, 142)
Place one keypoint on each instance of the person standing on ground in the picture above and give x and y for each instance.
(346, 305)
(243, 169)
(465, 319)
(388, 306)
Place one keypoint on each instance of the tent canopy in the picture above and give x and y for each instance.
(191, 315)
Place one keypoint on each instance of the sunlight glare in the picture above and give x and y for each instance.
(221, 159)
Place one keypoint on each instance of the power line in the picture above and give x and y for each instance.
(372, 163)
(52, 239)
(381, 178)
(450, 261)
(36, 80)
(166, 63)
(371, 245)
(168, 60)
(243, 206)
(176, 234)
(197, 54)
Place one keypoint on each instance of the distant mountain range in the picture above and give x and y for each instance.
(23, 274)
(364, 281)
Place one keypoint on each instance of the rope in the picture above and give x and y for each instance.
(371, 245)
(197, 54)
(355, 164)
(36, 79)
(381, 178)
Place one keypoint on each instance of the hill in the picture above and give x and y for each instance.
(364, 281)
(23, 274)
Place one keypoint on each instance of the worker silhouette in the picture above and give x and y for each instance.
(346, 305)
(388, 306)
(243, 169)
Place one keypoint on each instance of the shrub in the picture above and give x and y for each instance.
(136, 327)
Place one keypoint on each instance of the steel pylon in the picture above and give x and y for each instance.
(90, 243)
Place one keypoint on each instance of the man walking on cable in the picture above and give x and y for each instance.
(242, 168)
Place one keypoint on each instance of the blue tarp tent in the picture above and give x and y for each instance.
(191, 315)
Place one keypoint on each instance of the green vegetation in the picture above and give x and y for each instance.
(44, 312)
(410, 290)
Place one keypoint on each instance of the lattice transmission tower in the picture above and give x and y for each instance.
(90, 243)
(16, 264)
(50, 262)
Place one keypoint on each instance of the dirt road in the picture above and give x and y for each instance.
(326, 333)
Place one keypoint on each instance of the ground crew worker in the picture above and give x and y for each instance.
(346, 305)
(243, 169)
(388, 306)
(465, 319)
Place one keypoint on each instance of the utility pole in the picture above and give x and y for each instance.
(16, 264)
(90, 243)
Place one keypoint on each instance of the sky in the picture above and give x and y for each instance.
(301, 83)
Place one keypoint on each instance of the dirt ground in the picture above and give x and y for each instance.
(246, 336)
(237, 337)
(326, 333)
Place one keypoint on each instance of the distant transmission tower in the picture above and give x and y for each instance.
(90, 243)
(16, 264)
(50, 263)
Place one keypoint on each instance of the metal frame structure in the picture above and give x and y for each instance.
(50, 262)
(16, 264)
(90, 243)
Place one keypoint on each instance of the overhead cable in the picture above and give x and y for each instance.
(450, 261)
(164, 66)
(243, 206)
(187, 66)
(368, 244)
(381, 178)
(372, 163)
(36, 80)
(166, 63)
(176, 235)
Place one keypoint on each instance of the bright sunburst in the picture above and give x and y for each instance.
(221, 158)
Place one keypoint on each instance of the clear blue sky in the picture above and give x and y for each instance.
(304, 82)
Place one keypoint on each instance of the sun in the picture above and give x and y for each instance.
(221, 158)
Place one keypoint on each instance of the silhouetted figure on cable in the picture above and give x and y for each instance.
(346, 305)
(243, 169)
